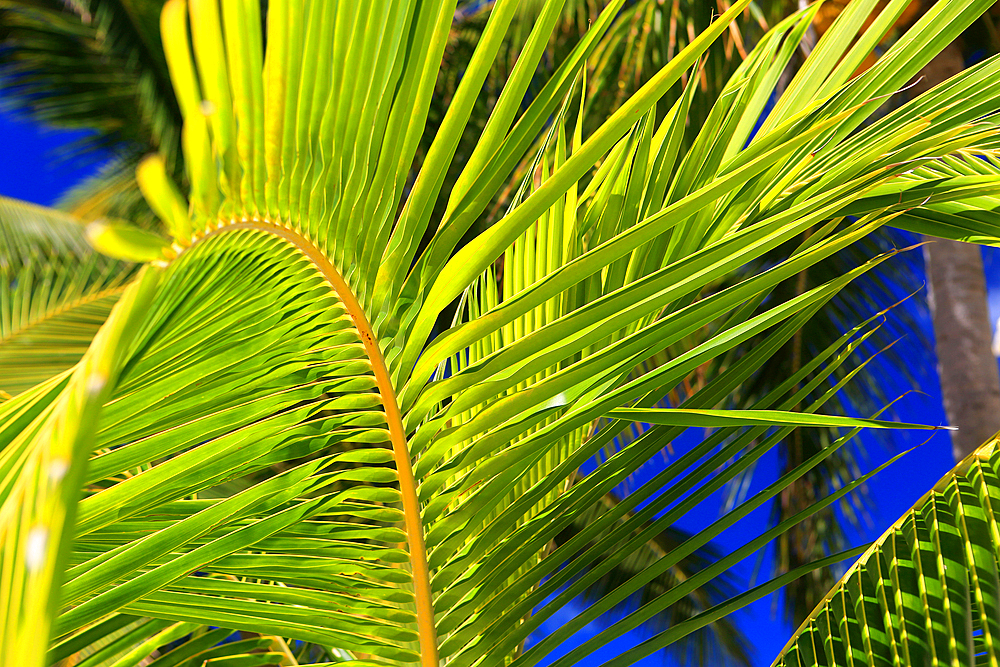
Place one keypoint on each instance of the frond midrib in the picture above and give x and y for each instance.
(397, 433)
(63, 308)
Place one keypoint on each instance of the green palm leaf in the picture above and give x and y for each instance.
(263, 436)
(925, 592)
(55, 293)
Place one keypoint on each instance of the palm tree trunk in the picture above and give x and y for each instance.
(956, 290)
(970, 383)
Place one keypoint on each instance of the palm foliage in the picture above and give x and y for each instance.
(55, 293)
(642, 37)
(56, 81)
(92, 64)
(926, 591)
(265, 437)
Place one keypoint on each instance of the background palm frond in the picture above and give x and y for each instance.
(926, 590)
(94, 64)
(55, 293)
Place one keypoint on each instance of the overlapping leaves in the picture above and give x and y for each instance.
(255, 456)
(55, 293)
(926, 591)
(239, 477)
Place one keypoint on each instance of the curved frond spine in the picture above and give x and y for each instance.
(397, 434)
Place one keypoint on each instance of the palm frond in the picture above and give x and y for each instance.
(720, 641)
(925, 591)
(31, 231)
(282, 449)
(46, 441)
(93, 64)
(55, 293)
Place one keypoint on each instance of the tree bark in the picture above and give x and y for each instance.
(956, 288)
(970, 382)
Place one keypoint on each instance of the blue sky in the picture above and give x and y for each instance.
(36, 169)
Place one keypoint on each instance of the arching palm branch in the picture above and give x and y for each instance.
(926, 591)
(286, 322)
(644, 35)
